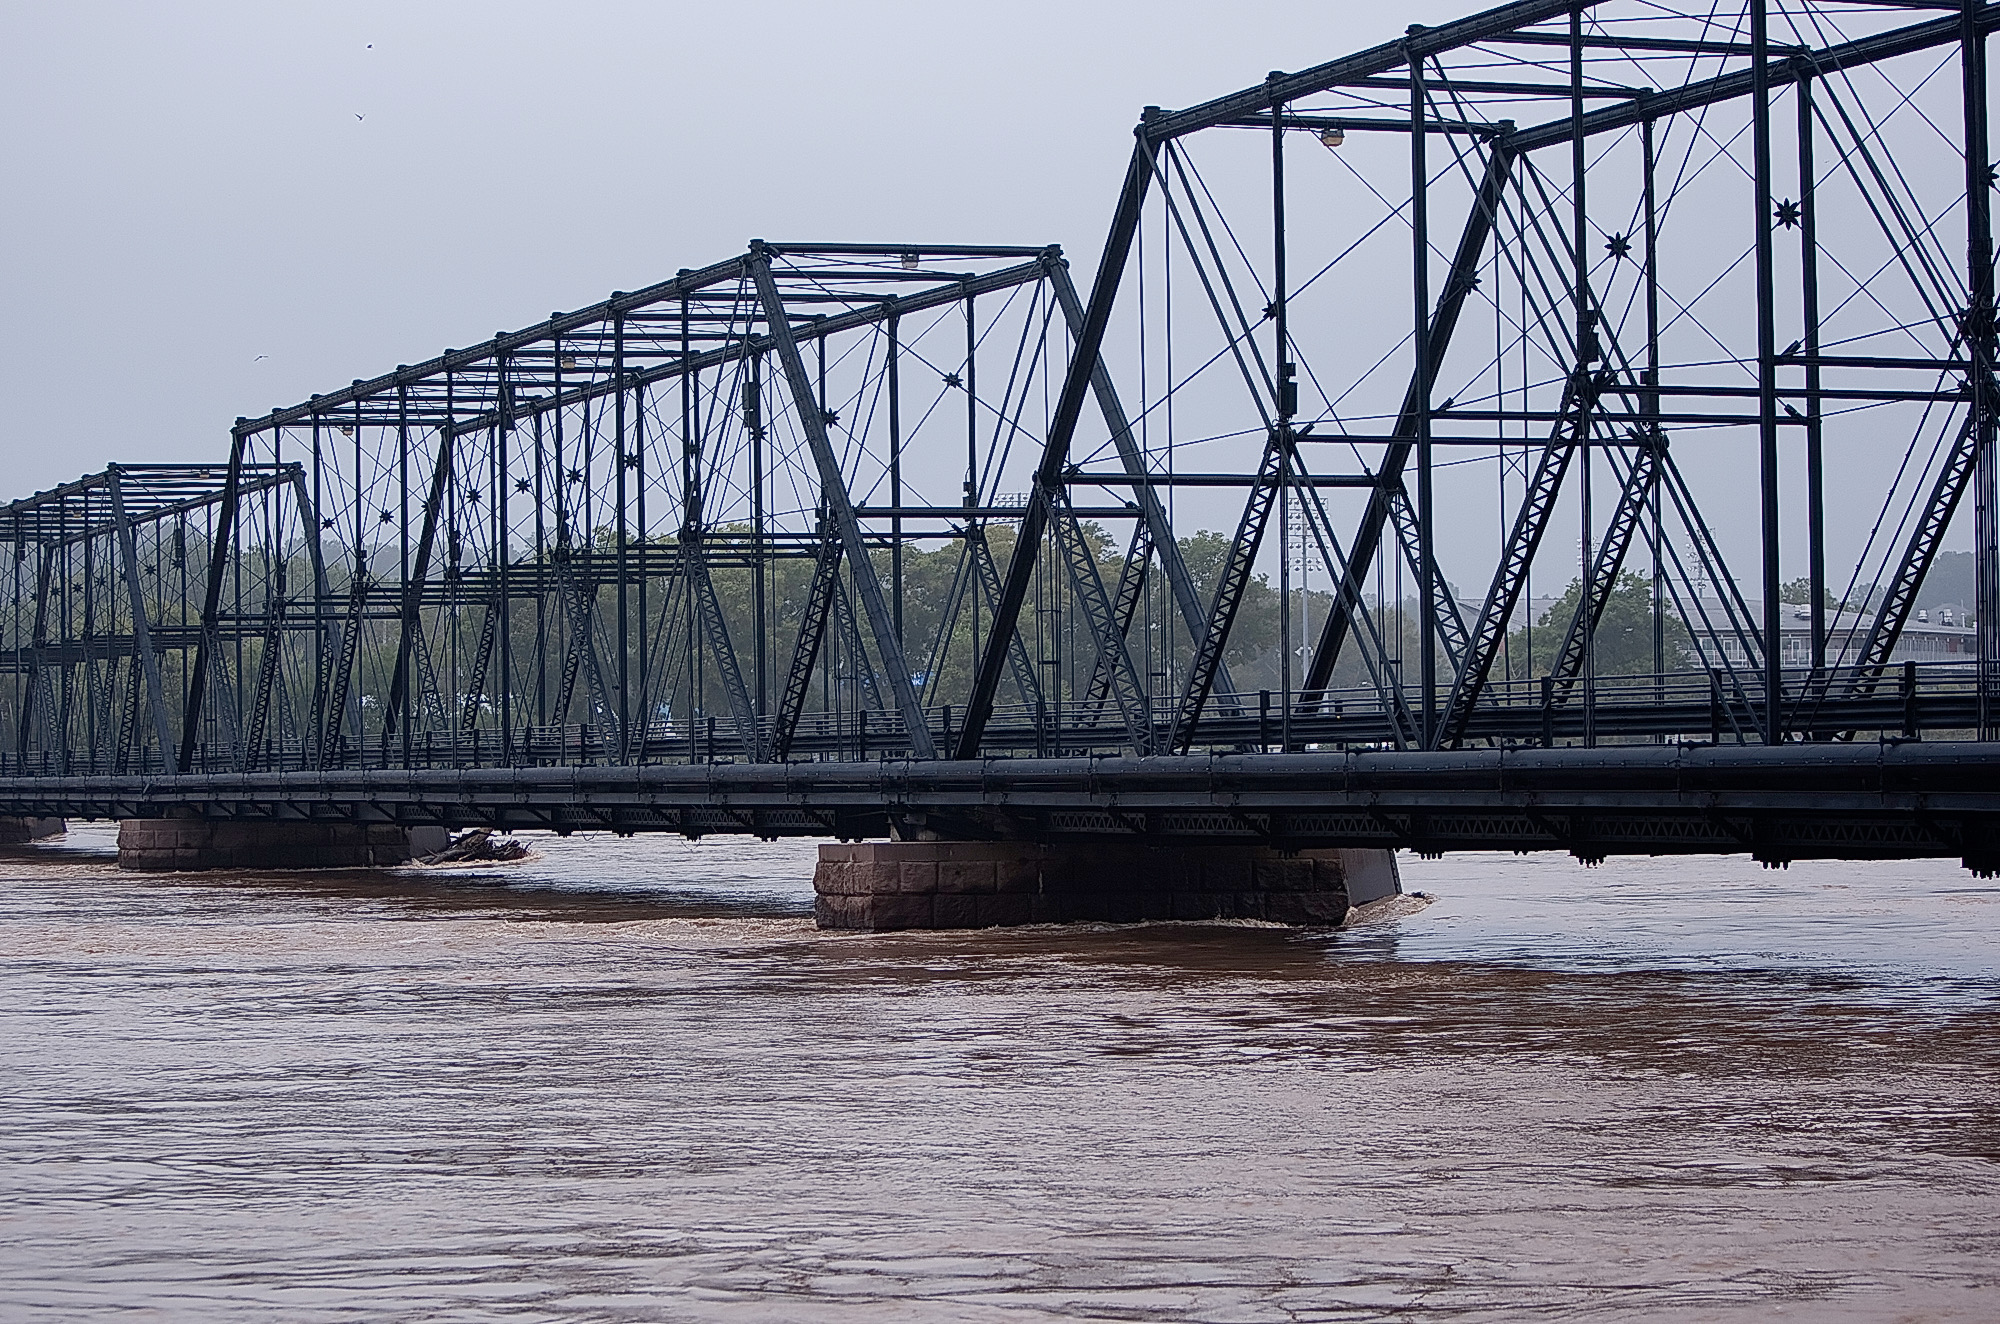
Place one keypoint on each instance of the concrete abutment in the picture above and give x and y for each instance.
(883, 886)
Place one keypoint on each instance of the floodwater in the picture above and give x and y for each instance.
(627, 1080)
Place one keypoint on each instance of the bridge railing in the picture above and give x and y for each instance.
(1906, 700)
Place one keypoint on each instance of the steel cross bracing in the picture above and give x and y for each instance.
(655, 529)
(106, 613)
(1568, 374)
(1648, 201)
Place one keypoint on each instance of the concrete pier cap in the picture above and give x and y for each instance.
(188, 843)
(885, 886)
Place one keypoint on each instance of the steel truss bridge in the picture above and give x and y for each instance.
(1246, 538)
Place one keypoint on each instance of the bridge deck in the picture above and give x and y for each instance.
(1837, 801)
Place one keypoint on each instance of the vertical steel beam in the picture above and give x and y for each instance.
(38, 637)
(502, 558)
(623, 534)
(971, 404)
(841, 507)
(309, 531)
(1651, 400)
(1809, 301)
(1767, 368)
(317, 524)
(896, 475)
(1285, 404)
(1980, 349)
(89, 664)
(1586, 340)
(753, 417)
(1420, 380)
(690, 518)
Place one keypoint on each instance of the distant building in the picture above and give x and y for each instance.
(1937, 634)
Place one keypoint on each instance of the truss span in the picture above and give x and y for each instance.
(1567, 375)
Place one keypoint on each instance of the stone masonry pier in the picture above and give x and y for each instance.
(179, 844)
(880, 886)
(14, 831)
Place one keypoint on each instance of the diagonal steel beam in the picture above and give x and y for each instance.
(1458, 286)
(841, 506)
(805, 653)
(1105, 632)
(1125, 601)
(694, 568)
(218, 564)
(1375, 657)
(1078, 381)
(1954, 476)
(142, 634)
(482, 661)
(347, 649)
(38, 637)
(1634, 501)
(1450, 620)
(399, 681)
(1229, 589)
(578, 596)
(1531, 521)
(269, 670)
(844, 623)
(429, 693)
(979, 555)
(1151, 512)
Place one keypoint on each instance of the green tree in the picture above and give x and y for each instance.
(1623, 644)
(1799, 593)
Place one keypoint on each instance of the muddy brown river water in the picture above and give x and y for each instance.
(627, 1080)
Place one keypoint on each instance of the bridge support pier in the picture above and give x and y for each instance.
(881, 886)
(14, 830)
(185, 844)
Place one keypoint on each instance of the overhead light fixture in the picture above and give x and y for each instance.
(909, 261)
(346, 429)
(567, 361)
(1332, 138)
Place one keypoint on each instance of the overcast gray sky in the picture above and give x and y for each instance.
(212, 209)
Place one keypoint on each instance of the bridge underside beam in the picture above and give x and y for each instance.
(1913, 800)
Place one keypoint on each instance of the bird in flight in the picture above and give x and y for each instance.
(360, 116)
(260, 358)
